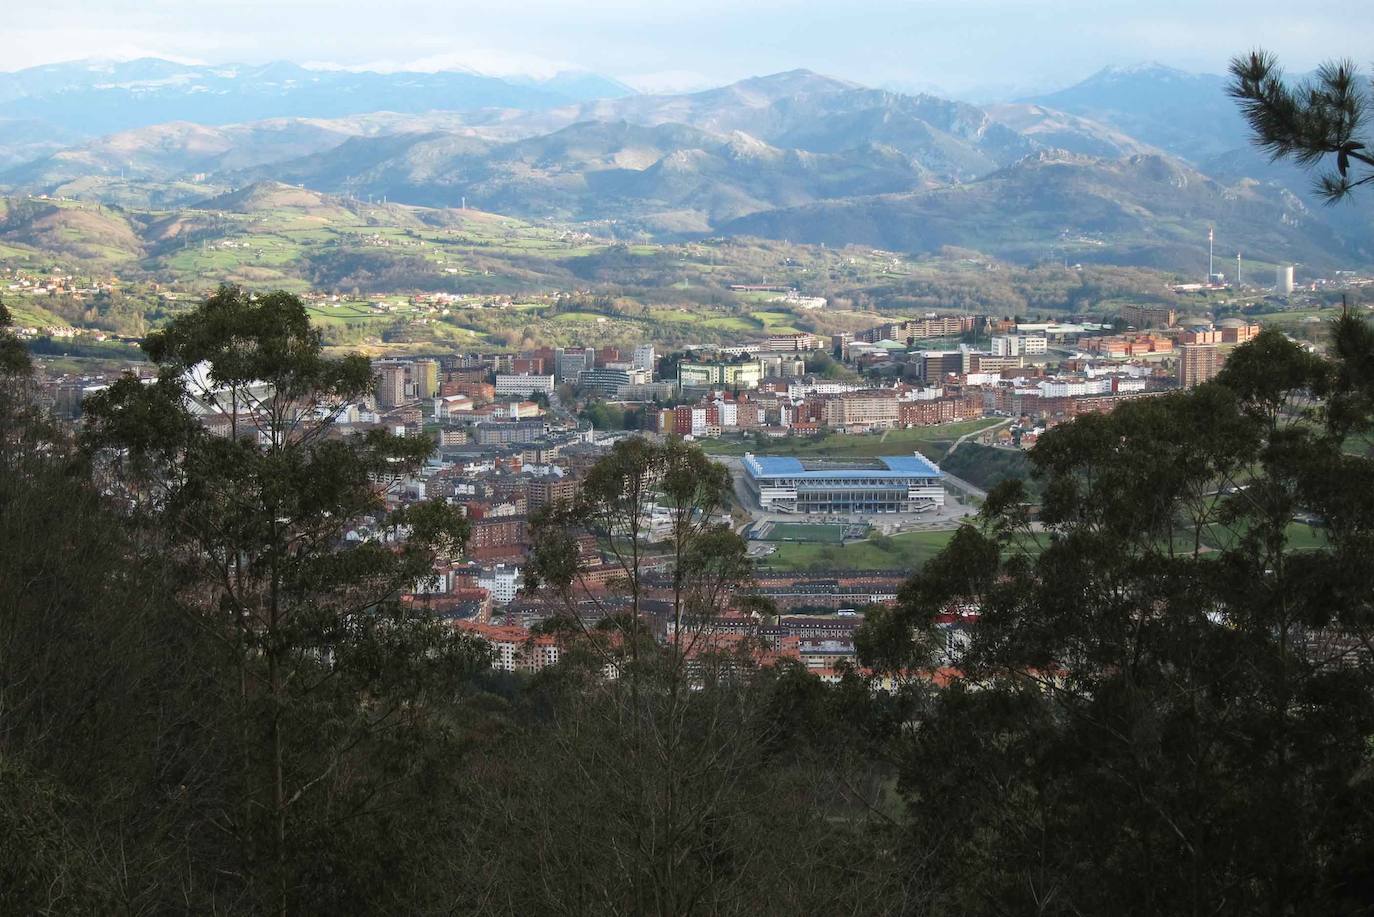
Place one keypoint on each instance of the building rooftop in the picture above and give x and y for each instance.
(885, 466)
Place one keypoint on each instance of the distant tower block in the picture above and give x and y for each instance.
(1283, 279)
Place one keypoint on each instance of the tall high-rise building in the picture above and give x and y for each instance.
(1283, 279)
(424, 375)
(570, 362)
(1198, 363)
(645, 357)
(391, 384)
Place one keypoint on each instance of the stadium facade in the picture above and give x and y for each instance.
(887, 484)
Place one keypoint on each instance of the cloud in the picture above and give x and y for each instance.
(486, 61)
(681, 44)
(35, 47)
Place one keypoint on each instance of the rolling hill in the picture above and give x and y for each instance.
(664, 178)
(1146, 210)
(90, 235)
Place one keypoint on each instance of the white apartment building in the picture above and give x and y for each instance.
(931, 393)
(502, 582)
(523, 384)
(1066, 389)
(645, 357)
(799, 390)
(1019, 345)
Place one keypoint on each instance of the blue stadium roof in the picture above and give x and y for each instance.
(761, 466)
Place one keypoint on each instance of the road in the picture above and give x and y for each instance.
(965, 486)
(967, 436)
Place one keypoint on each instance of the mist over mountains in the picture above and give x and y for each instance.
(1128, 166)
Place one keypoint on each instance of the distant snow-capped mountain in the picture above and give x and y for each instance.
(100, 97)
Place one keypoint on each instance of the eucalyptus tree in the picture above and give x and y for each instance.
(658, 787)
(1167, 700)
(331, 676)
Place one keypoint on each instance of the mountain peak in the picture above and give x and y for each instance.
(1151, 69)
(792, 82)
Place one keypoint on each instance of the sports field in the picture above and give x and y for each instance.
(818, 533)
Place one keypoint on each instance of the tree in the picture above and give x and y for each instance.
(108, 757)
(1167, 701)
(1309, 122)
(665, 770)
(14, 359)
(328, 673)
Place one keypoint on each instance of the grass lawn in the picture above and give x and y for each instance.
(579, 318)
(1300, 536)
(820, 533)
(776, 322)
(347, 315)
(27, 313)
(908, 551)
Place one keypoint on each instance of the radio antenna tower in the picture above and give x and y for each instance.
(1237, 270)
(1209, 256)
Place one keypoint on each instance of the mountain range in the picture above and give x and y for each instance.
(1130, 165)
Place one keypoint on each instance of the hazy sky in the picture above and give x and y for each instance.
(960, 46)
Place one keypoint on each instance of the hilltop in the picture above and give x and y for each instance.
(88, 235)
(1189, 115)
(275, 197)
(1147, 210)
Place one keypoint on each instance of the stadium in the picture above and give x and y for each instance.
(886, 484)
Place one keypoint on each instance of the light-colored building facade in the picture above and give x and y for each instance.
(502, 582)
(1019, 345)
(521, 384)
(857, 409)
(704, 374)
(645, 357)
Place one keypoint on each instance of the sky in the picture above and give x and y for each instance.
(981, 49)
